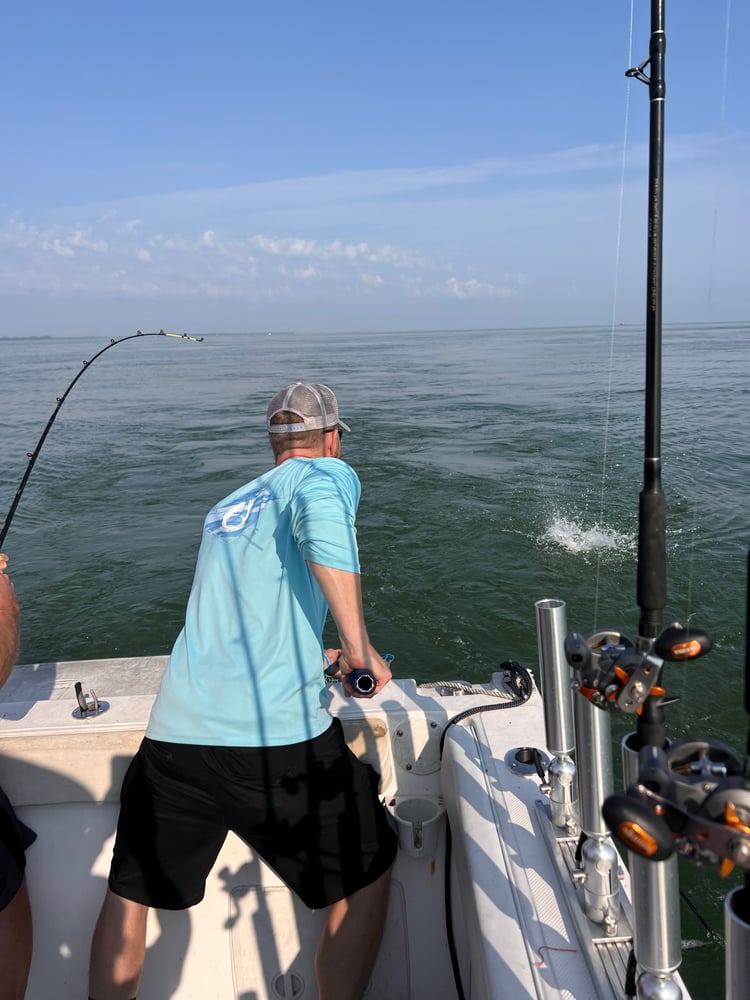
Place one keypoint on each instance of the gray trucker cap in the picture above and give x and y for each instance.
(314, 404)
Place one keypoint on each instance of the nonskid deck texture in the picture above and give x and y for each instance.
(518, 924)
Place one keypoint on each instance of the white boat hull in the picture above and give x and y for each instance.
(517, 918)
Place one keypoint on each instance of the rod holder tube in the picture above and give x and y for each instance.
(551, 629)
(655, 892)
(656, 913)
(599, 859)
(594, 760)
(737, 937)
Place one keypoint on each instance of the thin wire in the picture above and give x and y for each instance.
(722, 132)
(711, 269)
(610, 378)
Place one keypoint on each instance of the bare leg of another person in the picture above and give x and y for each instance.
(118, 949)
(15, 945)
(350, 942)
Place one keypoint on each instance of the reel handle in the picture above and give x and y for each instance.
(677, 643)
(363, 682)
(635, 824)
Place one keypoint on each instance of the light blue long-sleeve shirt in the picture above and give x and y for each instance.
(246, 670)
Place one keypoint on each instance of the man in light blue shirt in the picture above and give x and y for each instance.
(239, 736)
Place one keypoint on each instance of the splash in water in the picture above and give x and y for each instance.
(574, 538)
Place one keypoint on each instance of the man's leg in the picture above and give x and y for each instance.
(15, 945)
(118, 949)
(350, 942)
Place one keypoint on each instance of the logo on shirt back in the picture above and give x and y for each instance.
(226, 520)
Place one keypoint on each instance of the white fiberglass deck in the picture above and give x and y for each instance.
(517, 924)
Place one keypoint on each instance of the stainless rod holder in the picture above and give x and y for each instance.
(655, 892)
(551, 630)
(599, 871)
(737, 937)
(595, 772)
(558, 712)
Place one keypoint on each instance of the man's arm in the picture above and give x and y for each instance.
(343, 592)
(9, 634)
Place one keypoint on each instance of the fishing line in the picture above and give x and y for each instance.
(711, 934)
(722, 133)
(709, 289)
(610, 378)
(33, 455)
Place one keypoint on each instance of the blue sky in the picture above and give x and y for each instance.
(280, 165)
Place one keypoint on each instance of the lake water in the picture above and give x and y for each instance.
(498, 467)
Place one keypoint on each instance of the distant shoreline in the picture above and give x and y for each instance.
(671, 326)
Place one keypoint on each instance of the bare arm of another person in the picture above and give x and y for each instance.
(343, 592)
(9, 634)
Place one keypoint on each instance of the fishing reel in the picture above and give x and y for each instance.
(616, 676)
(693, 798)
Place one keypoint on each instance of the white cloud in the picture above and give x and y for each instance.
(288, 247)
(81, 241)
(60, 247)
(304, 273)
(459, 237)
(471, 288)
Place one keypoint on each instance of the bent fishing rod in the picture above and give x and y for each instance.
(33, 455)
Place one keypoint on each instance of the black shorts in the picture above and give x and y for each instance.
(15, 837)
(309, 810)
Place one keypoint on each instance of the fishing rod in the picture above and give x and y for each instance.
(690, 797)
(652, 550)
(614, 674)
(33, 455)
